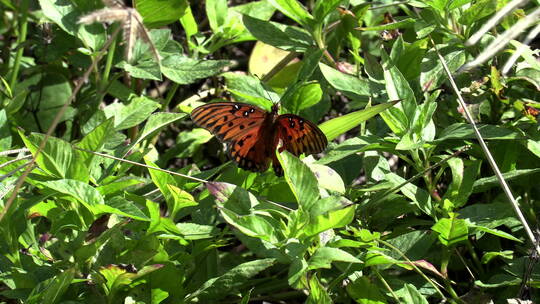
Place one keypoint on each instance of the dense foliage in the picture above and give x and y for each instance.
(401, 207)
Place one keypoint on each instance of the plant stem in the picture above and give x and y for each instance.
(23, 29)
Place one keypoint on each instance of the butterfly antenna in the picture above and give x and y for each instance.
(264, 88)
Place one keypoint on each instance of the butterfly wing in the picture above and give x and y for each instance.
(298, 136)
(241, 126)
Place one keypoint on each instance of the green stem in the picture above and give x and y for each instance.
(23, 22)
(170, 95)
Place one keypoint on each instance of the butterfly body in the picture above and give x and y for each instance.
(252, 134)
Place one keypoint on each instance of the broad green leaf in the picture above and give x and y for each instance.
(158, 13)
(432, 73)
(324, 256)
(297, 271)
(5, 133)
(483, 184)
(192, 231)
(477, 11)
(490, 215)
(57, 157)
(82, 192)
(119, 185)
(463, 180)
(505, 254)
(155, 123)
(365, 292)
(353, 146)
(416, 194)
(217, 12)
(127, 116)
(496, 232)
(317, 292)
(66, 15)
(250, 89)
(96, 139)
(286, 37)
(301, 180)
(54, 291)
(452, 231)
(159, 223)
(188, 23)
(398, 88)
(164, 181)
(328, 178)
(218, 287)
(334, 127)
(294, 10)
(405, 23)
(465, 131)
(309, 63)
(46, 94)
(333, 219)
(142, 70)
(305, 96)
(323, 8)
(345, 82)
(185, 70)
(126, 208)
(410, 295)
(253, 225)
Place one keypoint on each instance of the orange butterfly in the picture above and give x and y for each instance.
(252, 134)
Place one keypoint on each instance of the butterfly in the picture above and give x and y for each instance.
(252, 134)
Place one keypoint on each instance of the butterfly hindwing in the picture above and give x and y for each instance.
(299, 135)
(251, 151)
(226, 120)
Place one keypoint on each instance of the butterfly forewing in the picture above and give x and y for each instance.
(228, 120)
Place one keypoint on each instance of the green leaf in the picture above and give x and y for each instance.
(66, 14)
(452, 231)
(185, 70)
(410, 295)
(305, 96)
(323, 8)
(465, 131)
(398, 118)
(477, 11)
(490, 215)
(157, 13)
(127, 116)
(57, 157)
(324, 256)
(405, 23)
(301, 180)
(432, 73)
(486, 183)
(416, 194)
(219, 287)
(334, 127)
(317, 293)
(47, 93)
(57, 287)
(192, 231)
(126, 208)
(294, 10)
(286, 37)
(5, 133)
(353, 146)
(82, 192)
(217, 12)
(96, 139)
(462, 181)
(365, 292)
(333, 219)
(345, 82)
(155, 123)
(188, 23)
(142, 70)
